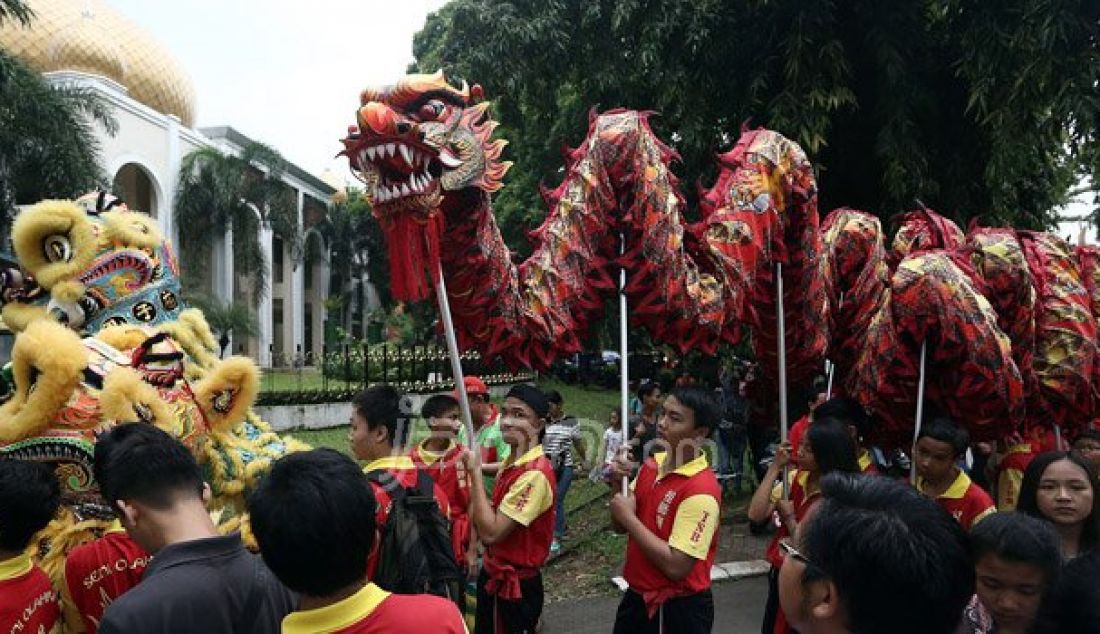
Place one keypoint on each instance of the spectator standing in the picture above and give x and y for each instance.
(198, 580)
(1016, 561)
(563, 435)
(313, 517)
(1060, 487)
(874, 556)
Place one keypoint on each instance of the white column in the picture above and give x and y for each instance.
(226, 275)
(167, 212)
(267, 330)
(321, 292)
(296, 305)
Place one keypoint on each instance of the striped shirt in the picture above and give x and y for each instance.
(559, 439)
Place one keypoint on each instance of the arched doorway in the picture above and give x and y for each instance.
(134, 185)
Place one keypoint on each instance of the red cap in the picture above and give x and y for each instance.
(474, 385)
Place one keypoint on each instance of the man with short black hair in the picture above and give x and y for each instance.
(940, 444)
(377, 435)
(29, 497)
(671, 519)
(875, 556)
(313, 517)
(517, 525)
(198, 580)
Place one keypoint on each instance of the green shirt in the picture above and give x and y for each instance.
(493, 447)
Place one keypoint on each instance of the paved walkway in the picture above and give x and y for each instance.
(738, 609)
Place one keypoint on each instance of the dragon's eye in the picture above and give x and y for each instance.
(430, 111)
(57, 248)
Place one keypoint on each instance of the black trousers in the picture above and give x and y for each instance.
(771, 608)
(693, 614)
(516, 617)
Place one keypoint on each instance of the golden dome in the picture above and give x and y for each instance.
(89, 36)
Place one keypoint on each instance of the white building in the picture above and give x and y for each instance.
(88, 43)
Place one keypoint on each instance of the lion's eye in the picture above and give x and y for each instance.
(57, 248)
(430, 111)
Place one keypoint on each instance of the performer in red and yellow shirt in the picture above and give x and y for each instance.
(829, 446)
(671, 519)
(378, 429)
(939, 446)
(518, 526)
(438, 456)
(29, 497)
(99, 572)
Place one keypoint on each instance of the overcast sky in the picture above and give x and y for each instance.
(285, 73)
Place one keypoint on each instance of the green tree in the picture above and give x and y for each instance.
(976, 108)
(15, 10)
(227, 319)
(218, 192)
(354, 247)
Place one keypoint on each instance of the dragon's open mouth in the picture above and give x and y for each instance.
(398, 170)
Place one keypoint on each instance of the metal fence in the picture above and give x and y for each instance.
(338, 374)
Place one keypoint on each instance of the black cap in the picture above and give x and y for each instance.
(534, 398)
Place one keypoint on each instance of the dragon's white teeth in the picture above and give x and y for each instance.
(371, 152)
(395, 191)
(406, 154)
(390, 149)
(448, 159)
(405, 190)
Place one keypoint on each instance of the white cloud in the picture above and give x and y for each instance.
(285, 73)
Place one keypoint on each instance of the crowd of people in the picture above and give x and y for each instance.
(451, 533)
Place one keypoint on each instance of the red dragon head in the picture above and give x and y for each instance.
(415, 142)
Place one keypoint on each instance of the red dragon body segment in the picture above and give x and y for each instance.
(1065, 337)
(424, 151)
(969, 368)
(690, 286)
(857, 278)
(999, 260)
(924, 230)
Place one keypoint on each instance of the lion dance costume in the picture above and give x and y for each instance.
(103, 339)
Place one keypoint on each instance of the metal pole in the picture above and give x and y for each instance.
(452, 350)
(624, 378)
(830, 367)
(920, 413)
(1058, 438)
(782, 344)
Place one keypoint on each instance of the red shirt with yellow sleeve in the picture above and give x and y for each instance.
(682, 508)
(524, 492)
(99, 572)
(964, 500)
(28, 602)
(1010, 475)
(449, 474)
(372, 610)
(405, 473)
(802, 494)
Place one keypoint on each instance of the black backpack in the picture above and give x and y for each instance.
(415, 555)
